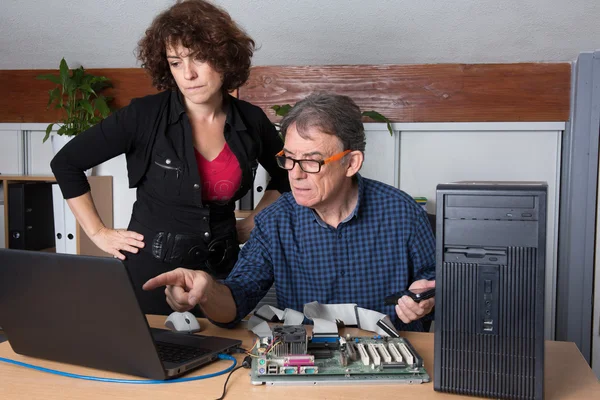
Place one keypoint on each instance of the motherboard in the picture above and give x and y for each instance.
(291, 357)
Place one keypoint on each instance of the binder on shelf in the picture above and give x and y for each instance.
(65, 225)
(260, 184)
(58, 204)
(70, 230)
(253, 197)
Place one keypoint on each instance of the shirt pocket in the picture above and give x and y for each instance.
(166, 175)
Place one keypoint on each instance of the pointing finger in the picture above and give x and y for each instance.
(168, 278)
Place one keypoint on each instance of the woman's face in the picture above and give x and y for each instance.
(197, 80)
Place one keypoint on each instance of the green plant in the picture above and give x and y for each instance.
(77, 94)
(282, 110)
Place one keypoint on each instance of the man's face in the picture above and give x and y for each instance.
(318, 189)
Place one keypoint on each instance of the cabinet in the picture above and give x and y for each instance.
(69, 236)
(11, 149)
(30, 225)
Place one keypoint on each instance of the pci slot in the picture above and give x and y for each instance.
(363, 353)
(417, 361)
(374, 354)
(406, 353)
(394, 352)
(385, 356)
(351, 351)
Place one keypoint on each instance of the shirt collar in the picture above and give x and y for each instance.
(233, 117)
(353, 214)
(176, 109)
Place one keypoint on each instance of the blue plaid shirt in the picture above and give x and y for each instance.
(380, 249)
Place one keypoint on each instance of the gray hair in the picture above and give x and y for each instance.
(332, 114)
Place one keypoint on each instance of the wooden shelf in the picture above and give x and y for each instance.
(242, 214)
(28, 178)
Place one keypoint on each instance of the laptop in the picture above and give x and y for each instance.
(83, 310)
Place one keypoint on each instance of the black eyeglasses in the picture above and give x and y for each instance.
(308, 166)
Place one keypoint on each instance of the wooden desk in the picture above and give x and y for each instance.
(567, 377)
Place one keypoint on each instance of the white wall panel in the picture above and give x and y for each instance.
(380, 154)
(11, 149)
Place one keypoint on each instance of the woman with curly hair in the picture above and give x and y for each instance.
(191, 152)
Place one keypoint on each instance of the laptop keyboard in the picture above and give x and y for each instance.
(177, 353)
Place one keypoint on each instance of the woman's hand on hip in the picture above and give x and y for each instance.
(113, 241)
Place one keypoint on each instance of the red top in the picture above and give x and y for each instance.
(221, 177)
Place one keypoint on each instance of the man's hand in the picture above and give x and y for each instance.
(408, 310)
(184, 287)
(114, 241)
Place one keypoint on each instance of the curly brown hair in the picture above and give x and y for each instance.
(210, 34)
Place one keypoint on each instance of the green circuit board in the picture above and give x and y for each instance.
(349, 360)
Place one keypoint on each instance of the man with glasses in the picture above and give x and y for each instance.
(336, 238)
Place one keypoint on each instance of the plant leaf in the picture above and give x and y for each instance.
(49, 77)
(101, 106)
(390, 130)
(48, 130)
(87, 106)
(87, 88)
(97, 79)
(281, 110)
(375, 116)
(54, 93)
(62, 130)
(64, 71)
(101, 85)
(79, 76)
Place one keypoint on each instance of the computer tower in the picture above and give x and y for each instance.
(490, 278)
(30, 216)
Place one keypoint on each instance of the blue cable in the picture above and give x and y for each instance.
(133, 381)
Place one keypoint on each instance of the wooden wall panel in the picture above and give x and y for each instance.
(24, 98)
(426, 93)
(403, 93)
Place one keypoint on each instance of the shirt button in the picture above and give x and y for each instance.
(207, 234)
(196, 186)
(204, 219)
(168, 161)
(342, 273)
(340, 235)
